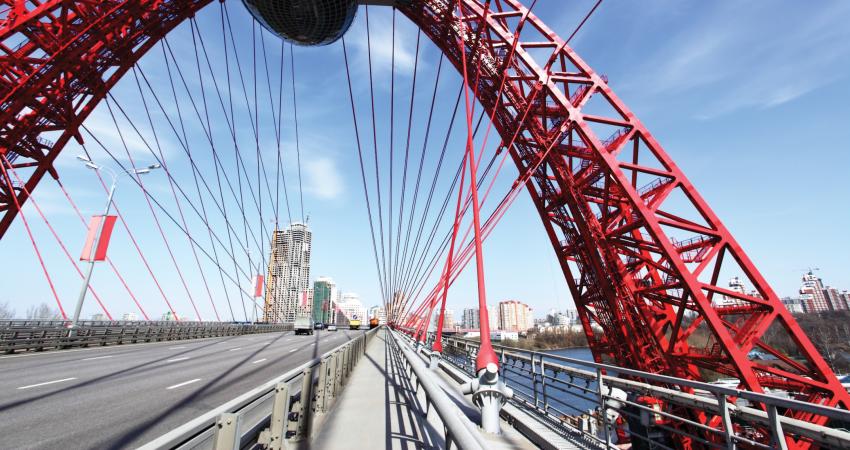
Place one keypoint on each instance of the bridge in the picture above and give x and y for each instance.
(199, 92)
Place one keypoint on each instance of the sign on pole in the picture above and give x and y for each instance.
(102, 241)
(258, 288)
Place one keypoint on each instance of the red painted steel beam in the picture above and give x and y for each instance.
(639, 247)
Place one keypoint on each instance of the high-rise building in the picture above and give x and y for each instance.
(350, 308)
(378, 312)
(325, 295)
(98, 317)
(130, 317)
(471, 319)
(811, 292)
(287, 289)
(736, 285)
(449, 319)
(845, 297)
(833, 299)
(793, 305)
(515, 316)
(399, 299)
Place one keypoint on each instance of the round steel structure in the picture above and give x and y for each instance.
(601, 183)
(305, 22)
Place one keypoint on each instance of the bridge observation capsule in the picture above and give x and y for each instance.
(305, 22)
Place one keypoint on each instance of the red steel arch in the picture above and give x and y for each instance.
(604, 188)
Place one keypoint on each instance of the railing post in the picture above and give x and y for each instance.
(305, 413)
(322, 387)
(534, 379)
(227, 433)
(273, 437)
(602, 409)
(776, 428)
(543, 381)
(728, 431)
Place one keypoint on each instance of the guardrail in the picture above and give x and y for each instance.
(280, 414)
(459, 430)
(612, 403)
(28, 335)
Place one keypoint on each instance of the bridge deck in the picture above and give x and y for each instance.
(380, 404)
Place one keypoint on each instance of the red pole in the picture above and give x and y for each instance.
(438, 346)
(486, 355)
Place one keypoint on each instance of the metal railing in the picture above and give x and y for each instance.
(280, 414)
(39, 335)
(458, 429)
(612, 403)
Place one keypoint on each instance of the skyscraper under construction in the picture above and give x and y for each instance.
(287, 289)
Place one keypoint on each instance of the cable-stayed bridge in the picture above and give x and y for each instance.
(185, 89)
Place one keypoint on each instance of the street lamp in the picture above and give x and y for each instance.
(91, 165)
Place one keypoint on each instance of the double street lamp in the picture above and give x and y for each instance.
(96, 241)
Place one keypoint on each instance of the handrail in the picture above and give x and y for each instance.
(459, 426)
(542, 369)
(204, 428)
(833, 413)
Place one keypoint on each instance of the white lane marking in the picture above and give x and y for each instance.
(293, 350)
(234, 349)
(183, 384)
(46, 382)
(259, 361)
(313, 343)
(175, 348)
(96, 357)
(178, 359)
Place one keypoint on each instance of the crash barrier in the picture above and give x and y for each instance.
(282, 413)
(36, 335)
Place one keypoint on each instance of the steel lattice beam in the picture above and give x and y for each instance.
(640, 249)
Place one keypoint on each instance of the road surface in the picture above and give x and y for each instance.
(124, 396)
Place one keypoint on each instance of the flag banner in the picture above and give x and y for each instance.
(258, 288)
(102, 242)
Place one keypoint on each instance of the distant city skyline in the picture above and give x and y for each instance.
(712, 100)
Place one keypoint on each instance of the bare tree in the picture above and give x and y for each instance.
(6, 311)
(43, 311)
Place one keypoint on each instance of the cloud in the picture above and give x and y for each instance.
(323, 179)
(749, 55)
(380, 41)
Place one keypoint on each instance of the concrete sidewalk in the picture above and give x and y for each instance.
(379, 408)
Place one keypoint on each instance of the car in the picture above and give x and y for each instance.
(319, 326)
(331, 327)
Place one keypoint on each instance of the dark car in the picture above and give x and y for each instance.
(319, 326)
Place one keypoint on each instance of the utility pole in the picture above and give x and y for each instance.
(96, 240)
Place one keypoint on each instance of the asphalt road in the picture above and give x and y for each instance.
(125, 396)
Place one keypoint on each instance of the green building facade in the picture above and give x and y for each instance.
(322, 302)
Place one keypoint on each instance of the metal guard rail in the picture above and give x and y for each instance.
(458, 428)
(28, 335)
(551, 378)
(274, 414)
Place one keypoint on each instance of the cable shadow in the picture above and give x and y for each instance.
(132, 434)
(11, 405)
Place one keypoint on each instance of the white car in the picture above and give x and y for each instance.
(331, 327)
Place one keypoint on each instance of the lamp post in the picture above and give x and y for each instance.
(91, 165)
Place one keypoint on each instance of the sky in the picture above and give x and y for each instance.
(749, 98)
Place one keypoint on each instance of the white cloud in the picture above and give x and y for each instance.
(749, 55)
(322, 178)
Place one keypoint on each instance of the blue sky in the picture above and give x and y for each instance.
(749, 98)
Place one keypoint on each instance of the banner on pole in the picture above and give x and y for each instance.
(102, 241)
(258, 288)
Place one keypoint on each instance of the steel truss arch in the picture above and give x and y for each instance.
(601, 183)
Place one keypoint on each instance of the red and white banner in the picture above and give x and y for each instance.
(258, 288)
(102, 242)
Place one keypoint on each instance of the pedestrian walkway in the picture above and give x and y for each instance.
(380, 408)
